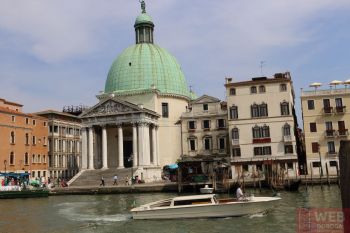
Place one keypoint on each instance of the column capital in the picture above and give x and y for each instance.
(119, 125)
(103, 126)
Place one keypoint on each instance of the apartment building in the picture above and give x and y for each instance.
(64, 136)
(262, 124)
(23, 142)
(326, 120)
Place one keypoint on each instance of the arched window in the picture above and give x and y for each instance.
(44, 158)
(234, 112)
(265, 131)
(26, 159)
(12, 137)
(262, 89)
(27, 139)
(39, 159)
(284, 108)
(33, 158)
(12, 158)
(286, 130)
(255, 110)
(235, 134)
(207, 143)
(263, 110)
(232, 91)
(253, 90)
(283, 87)
(256, 132)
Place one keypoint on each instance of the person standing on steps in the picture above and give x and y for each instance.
(102, 181)
(115, 179)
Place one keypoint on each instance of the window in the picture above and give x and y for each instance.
(331, 147)
(313, 127)
(329, 125)
(206, 124)
(236, 152)
(192, 144)
(265, 150)
(207, 143)
(284, 108)
(263, 110)
(221, 123)
(205, 107)
(338, 102)
(341, 126)
(222, 143)
(235, 134)
(12, 137)
(34, 122)
(262, 89)
(265, 131)
(39, 159)
(13, 118)
(12, 158)
(34, 140)
(27, 121)
(315, 147)
(286, 130)
(26, 159)
(44, 141)
(283, 87)
(310, 104)
(232, 91)
(333, 163)
(256, 132)
(191, 125)
(253, 90)
(27, 139)
(245, 167)
(234, 112)
(45, 123)
(255, 110)
(165, 110)
(288, 149)
(316, 164)
(44, 158)
(290, 165)
(33, 158)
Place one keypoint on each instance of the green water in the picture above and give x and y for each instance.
(110, 213)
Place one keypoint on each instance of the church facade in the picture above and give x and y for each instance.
(134, 123)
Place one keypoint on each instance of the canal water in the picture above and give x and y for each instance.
(110, 213)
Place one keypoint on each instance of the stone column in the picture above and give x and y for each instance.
(147, 148)
(134, 145)
(104, 148)
(91, 148)
(154, 146)
(140, 144)
(157, 147)
(120, 147)
(84, 150)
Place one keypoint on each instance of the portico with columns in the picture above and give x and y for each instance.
(117, 134)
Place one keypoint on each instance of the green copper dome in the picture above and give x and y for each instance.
(146, 66)
(143, 18)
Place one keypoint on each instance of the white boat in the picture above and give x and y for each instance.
(206, 190)
(202, 206)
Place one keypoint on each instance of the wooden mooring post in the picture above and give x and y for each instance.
(311, 172)
(344, 164)
(327, 173)
(305, 176)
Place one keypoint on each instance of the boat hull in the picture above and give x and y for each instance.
(229, 209)
(23, 194)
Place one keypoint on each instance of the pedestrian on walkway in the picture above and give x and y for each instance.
(102, 181)
(115, 179)
(127, 180)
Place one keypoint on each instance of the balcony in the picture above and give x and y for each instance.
(340, 109)
(330, 133)
(343, 132)
(261, 140)
(235, 142)
(287, 138)
(191, 130)
(328, 110)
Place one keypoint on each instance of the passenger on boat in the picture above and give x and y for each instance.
(239, 193)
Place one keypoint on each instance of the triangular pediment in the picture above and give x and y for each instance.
(205, 99)
(112, 106)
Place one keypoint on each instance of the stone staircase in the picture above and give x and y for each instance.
(93, 177)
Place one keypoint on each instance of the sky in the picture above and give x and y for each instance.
(58, 52)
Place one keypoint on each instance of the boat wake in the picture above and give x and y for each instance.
(258, 215)
(72, 211)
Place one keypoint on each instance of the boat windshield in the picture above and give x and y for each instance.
(193, 202)
(161, 203)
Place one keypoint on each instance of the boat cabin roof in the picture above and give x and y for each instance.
(196, 197)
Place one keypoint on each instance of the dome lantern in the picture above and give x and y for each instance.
(144, 26)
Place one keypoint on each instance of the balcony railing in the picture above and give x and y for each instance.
(330, 133)
(287, 138)
(340, 109)
(343, 132)
(328, 110)
(261, 140)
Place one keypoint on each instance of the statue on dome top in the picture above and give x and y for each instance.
(143, 6)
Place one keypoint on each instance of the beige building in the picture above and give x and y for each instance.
(64, 143)
(261, 124)
(23, 142)
(204, 128)
(326, 120)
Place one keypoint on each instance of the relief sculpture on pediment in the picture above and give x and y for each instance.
(110, 108)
